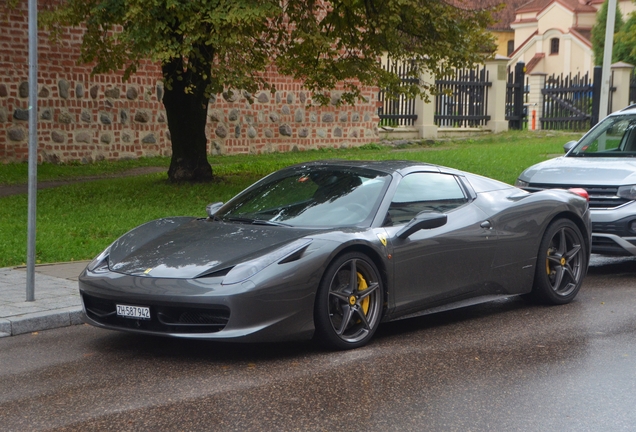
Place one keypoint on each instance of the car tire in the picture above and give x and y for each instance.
(561, 263)
(349, 302)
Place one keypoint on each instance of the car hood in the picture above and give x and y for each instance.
(188, 247)
(581, 171)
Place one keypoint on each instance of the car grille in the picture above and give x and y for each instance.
(600, 196)
(164, 318)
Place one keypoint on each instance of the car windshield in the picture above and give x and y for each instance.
(615, 136)
(310, 196)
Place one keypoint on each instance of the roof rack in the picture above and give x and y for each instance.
(632, 106)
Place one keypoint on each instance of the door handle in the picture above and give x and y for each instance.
(486, 225)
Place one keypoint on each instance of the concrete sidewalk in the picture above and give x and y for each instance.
(57, 300)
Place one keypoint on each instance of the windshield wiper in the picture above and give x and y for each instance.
(268, 222)
(255, 221)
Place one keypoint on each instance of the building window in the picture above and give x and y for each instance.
(511, 46)
(554, 46)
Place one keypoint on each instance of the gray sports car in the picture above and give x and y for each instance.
(331, 249)
(603, 163)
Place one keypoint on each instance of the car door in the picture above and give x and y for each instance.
(434, 265)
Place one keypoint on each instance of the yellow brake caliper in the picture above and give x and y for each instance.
(362, 285)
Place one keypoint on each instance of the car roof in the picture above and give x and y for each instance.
(631, 109)
(386, 166)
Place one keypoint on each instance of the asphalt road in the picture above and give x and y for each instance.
(503, 366)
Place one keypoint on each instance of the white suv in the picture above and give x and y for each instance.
(603, 162)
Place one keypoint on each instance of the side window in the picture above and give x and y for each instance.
(618, 134)
(420, 192)
(554, 46)
(511, 46)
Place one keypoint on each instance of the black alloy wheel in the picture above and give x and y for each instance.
(349, 302)
(561, 263)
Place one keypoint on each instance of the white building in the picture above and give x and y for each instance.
(554, 36)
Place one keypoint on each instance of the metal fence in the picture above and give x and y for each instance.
(567, 102)
(516, 94)
(462, 98)
(398, 111)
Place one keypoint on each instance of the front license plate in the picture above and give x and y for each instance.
(137, 312)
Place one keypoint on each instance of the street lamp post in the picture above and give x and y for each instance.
(33, 147)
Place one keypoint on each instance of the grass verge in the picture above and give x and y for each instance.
(77, 221)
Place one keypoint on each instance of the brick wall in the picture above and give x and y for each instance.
(83, 117)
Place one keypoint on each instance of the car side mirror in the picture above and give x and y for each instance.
(424, 220)
(213, 208)
(568, 146)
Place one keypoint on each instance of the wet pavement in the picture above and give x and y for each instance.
(508, 365)
(57, 302)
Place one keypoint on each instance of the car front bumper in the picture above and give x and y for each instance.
(614, 230)
(200, 308)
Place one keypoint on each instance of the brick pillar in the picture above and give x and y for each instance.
(496, 107)
(535, 99)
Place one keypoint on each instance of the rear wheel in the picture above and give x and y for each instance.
(349, 302)
(561, 263)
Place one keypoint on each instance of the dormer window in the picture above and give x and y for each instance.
(554, 46)
(511, 46)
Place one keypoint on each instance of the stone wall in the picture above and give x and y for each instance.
(84, 118)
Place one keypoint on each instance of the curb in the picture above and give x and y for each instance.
(38, 321)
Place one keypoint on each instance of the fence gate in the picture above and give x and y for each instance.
(515, 91)
(462, 98)
(401, 110)
(567, 103)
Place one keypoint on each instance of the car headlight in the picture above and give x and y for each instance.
(248, 269)
(521, 184)
(100, 263)
(627, 192)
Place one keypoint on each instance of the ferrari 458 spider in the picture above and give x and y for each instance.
(331, 249)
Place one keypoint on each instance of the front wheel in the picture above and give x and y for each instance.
(561, 263)
(349, 302)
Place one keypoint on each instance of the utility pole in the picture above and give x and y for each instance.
(33, 147)
(607, 59)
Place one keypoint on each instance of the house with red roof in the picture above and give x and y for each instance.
(554, 36)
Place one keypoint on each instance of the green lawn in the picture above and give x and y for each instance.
(77, 221)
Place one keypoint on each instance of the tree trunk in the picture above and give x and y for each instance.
(186, 111)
